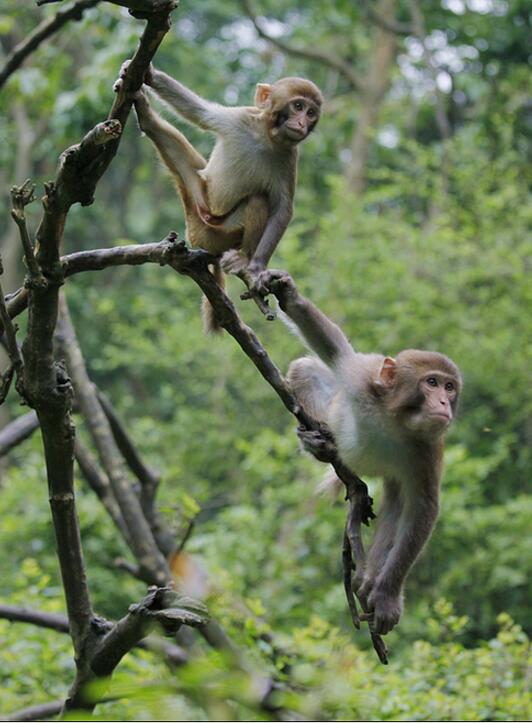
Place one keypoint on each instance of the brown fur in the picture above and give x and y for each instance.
(240, 199)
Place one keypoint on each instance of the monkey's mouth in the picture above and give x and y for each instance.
(295, 134)
(441, 416)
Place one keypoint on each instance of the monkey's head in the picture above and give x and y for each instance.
(421, 390)
(292, 108)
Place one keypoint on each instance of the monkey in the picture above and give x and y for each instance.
(388, 416)
(240, 201)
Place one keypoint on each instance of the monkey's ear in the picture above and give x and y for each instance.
(388, 371)
(262, 95)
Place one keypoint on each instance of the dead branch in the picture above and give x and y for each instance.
(11, 345)
(43, 711)
(52, 621)
(42, 32)
(48, 390)
(17, 431)
(22, 196)
(314, 54)
(174, 654)
(148, 477)
(139, 536)
(99, 483)
(387, 23)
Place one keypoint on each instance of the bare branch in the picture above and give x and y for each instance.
(140, 537)
(161, 608)
(420, 31)
(52, 621)
(42, 32)
(34, 617)
(11, 346)
(386, 23)
(21, 196)
(43, 711)
(17, 431)
(148, 477)
(99, 483)
(308, 53)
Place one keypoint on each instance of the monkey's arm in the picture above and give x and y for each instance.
(419, 513)
(279, 217)
(323, 336)
(194, 108)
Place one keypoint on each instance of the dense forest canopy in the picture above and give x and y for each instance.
(411, 228)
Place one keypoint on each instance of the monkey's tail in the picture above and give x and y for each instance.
(330, 486)
(211, 325)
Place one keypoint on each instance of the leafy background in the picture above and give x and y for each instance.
(433, 253)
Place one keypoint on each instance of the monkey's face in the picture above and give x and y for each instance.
(437, 396)
(296, 119)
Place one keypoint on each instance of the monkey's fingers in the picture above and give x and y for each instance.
(253, 293)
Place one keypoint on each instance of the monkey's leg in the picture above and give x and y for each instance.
(178, 154)
(251, 216)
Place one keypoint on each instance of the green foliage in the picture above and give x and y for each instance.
(434, 254)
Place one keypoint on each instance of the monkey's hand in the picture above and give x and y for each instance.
(119, 82)
(317, 444)
(386, 609)
(279, 283)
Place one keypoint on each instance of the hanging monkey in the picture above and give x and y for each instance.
(388, 417)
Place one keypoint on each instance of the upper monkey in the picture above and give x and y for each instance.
(239, 202)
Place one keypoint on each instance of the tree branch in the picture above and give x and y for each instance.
(99, 483)
(51, 621)
(139, 537)
(43, 711)
(148, 477)
(194, 263)
(389, 24)
(11, 345)
(420, 32)
(308, 53)
(17, 431)
(42, 32)
(162, 608)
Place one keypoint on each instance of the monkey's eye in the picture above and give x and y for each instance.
(298, 105)
(432, 381)
(449, 386)
(311, 113)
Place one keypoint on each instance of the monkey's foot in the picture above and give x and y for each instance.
(386, 609)
(317, 444)
(234, 262)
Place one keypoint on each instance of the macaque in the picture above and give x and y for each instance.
(239, 202)
(388, 417)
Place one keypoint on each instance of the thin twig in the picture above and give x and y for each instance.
(10, 331)
(41, 33)
(308, 53)
(22, 196)
(42, 711)
(17, 431)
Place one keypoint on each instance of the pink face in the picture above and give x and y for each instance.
(440, 392)
(301, 117)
